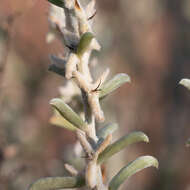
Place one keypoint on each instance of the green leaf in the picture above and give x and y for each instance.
(132, 168)
(84, 43)
(113, 84)
(106, 130)
(58, 3)
(55, 183)
(117, 146)
(68, 113)
(188, 142)
(62, 122)
(185, 83)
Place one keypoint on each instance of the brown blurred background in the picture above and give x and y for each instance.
(147, 39)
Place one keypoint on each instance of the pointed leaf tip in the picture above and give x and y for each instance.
(132, 168)
(117, 146)
(68, 113)
(185, 83)
(113, 84)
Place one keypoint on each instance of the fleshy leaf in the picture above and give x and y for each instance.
(188, 143)
(71, 40)
(58, 65)
(84, 43)
(113, 84)
(56, 183)
(68, 113)
(106, 130)
(185, 83)
(132, 168)
(62, 122)
(58, 3)
(56, 70)
(117, 146)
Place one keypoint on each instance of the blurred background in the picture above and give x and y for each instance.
(149, 40)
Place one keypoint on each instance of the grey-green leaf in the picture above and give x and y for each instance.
(55, 183)
(117, 146)
(68, 113)
(62, 122)
(58, 65)
(106, 130)
(132, 168)
(113, 84)
(185, 83)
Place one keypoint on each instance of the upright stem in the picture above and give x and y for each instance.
(91, 132)
(77, 67)
(89, 117)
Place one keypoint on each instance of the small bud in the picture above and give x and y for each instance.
(84, 43)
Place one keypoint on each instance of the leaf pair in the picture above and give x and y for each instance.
(134, 166)
(126, 172)
(71, 119)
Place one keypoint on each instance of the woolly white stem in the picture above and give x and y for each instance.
(84, 65)
(93, 99)
(71, 65)
(84, 25)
